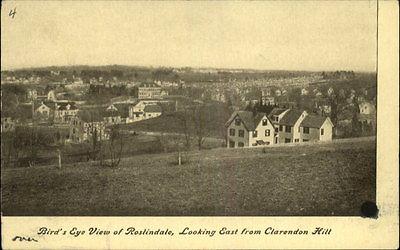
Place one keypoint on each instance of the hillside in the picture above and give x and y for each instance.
(315, 179)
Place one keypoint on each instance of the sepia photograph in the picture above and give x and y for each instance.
(203, 108)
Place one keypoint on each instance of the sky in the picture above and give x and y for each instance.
(270, 35)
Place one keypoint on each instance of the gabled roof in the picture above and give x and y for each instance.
(277, 111)
(49, 104)
(122, 109)
(291, 117)
(313, 121)
(249, 119)
(152, 109)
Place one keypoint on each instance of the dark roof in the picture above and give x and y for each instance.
(91, 115)
(152, 109)
(249, 119)
(277, 111)
(291, 117)
(313, 121)
(122, 109)
(63, 105)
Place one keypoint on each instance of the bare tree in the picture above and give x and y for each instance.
(200, 125)
(186, 121)
(115, 146)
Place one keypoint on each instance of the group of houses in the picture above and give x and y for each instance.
(250, 129)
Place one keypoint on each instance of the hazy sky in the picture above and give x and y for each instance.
(287, 35)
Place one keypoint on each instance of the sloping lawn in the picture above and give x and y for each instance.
(320, 179)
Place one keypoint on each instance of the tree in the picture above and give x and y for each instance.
(115, 147)
(200, 125)
(186, 119)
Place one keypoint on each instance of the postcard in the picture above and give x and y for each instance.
(199, 124)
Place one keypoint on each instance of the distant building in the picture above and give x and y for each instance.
(65, 111)
(7, 124)
(149, 91)
(44, 110)
(117, 113)
(367, 116)
(87, 126)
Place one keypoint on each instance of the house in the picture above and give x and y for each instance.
(137, 112)
(288, 126)
(149, 91)
(367, 116)
(51, 96)
(282, 126)
(275, 116)
(65, 111)
(117, 113)
(249, 129)
(315, 128)
(31, 94)
(44, 110)
(87, 125)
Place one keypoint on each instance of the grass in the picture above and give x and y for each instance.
(319, 179)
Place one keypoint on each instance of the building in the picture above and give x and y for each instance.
(315, 128)
(65, 111)
(137, 112)
(288, 126)
(44, 110)
(87, 126)
(117, 113)
(367, 116)
(149, 91)
(248, 129)
(245, 128)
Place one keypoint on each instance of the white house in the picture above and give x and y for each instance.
(248, 129)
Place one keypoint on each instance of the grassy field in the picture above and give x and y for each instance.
(320, 179)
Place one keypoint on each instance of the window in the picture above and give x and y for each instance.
(276, 129)
(265, 122)
(322, 131)
(287, 140)
(280, 128)
(306, 130)
(232, 132)
(276, 140)
(267, 132)
(276, 118)
(231, 144)
(241, 133)
(305, 140)
(237, 122)
(288, 129)
(296, 140)
(255, 133)
(241, 144)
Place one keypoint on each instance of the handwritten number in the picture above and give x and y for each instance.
(12, 12)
